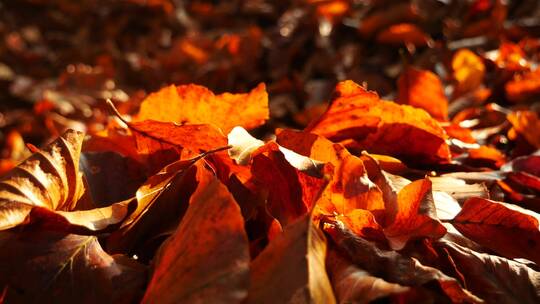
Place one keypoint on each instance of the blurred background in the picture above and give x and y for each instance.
(61, 59)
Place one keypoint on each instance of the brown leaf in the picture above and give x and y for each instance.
(207, 257)
(355, 285)
(50, 181)
(523, 87)
(197, 105)
(507, 229)
(51, 267)
(495, 279)
(360, 120)
(160, 204)
(415, 215)
(423, 89)
(291, 269)
(394, 267)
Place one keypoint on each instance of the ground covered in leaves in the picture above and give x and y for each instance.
(270, 151)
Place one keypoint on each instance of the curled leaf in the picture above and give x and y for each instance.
(360, 120)
(423, 89)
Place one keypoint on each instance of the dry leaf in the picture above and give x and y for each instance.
(423, 89)
(292, 268)
(197, 105)
(469, 70)
(507, 229)
(52, 267)
(360, 120)
(207, 257)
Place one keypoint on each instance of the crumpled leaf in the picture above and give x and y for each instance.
(292, 268)
(527, 124)
(392, 266)
(243, 144)
(507, 229)
(53, 267)
(355, 285)
(48, 185)
(207, 257)
(291, 192)
(350, 188)
(495, 279)
(360, 120)
(197, 105)
(415, 217)
(468, 70)
(161, 201)
(423, 89)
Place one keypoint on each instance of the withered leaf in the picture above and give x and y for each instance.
(527, 123)
(207, 257)
(495, 279)
(507, 229)
(292, 268)
(355, 285)
(360, 120)
(394, 267)
(52, 267)
(423, 89)
(468, 70)
(197, 105)
(48, 185)
(415, 215)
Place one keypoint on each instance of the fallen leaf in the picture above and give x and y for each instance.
(48, 185)
(415, 217)
(360, 120)
(524, 87)
(495, 279)
(394, 267)
(507, 229)
(527, 124)
(403, 33)
(355, 285)
(53, 267)
(291, 192)
(423, 89)
(243, 144)
(292, 268)
(207, 257)
(197, 105)
(468, 71)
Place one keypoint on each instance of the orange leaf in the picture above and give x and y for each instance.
(403, 33)
(360, 120)
(523, 87)
(197, 105)
(469, 70)
(527, 124)
(504, 228)
(291, 192)
(350, 188)
(423, 89)
(415, 215)
(207, 257)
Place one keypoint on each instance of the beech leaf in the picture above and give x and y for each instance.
(292, 268)
(207, 257)
(507, 229)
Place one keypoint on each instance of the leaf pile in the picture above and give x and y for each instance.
(309, 216)
(416, 181)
